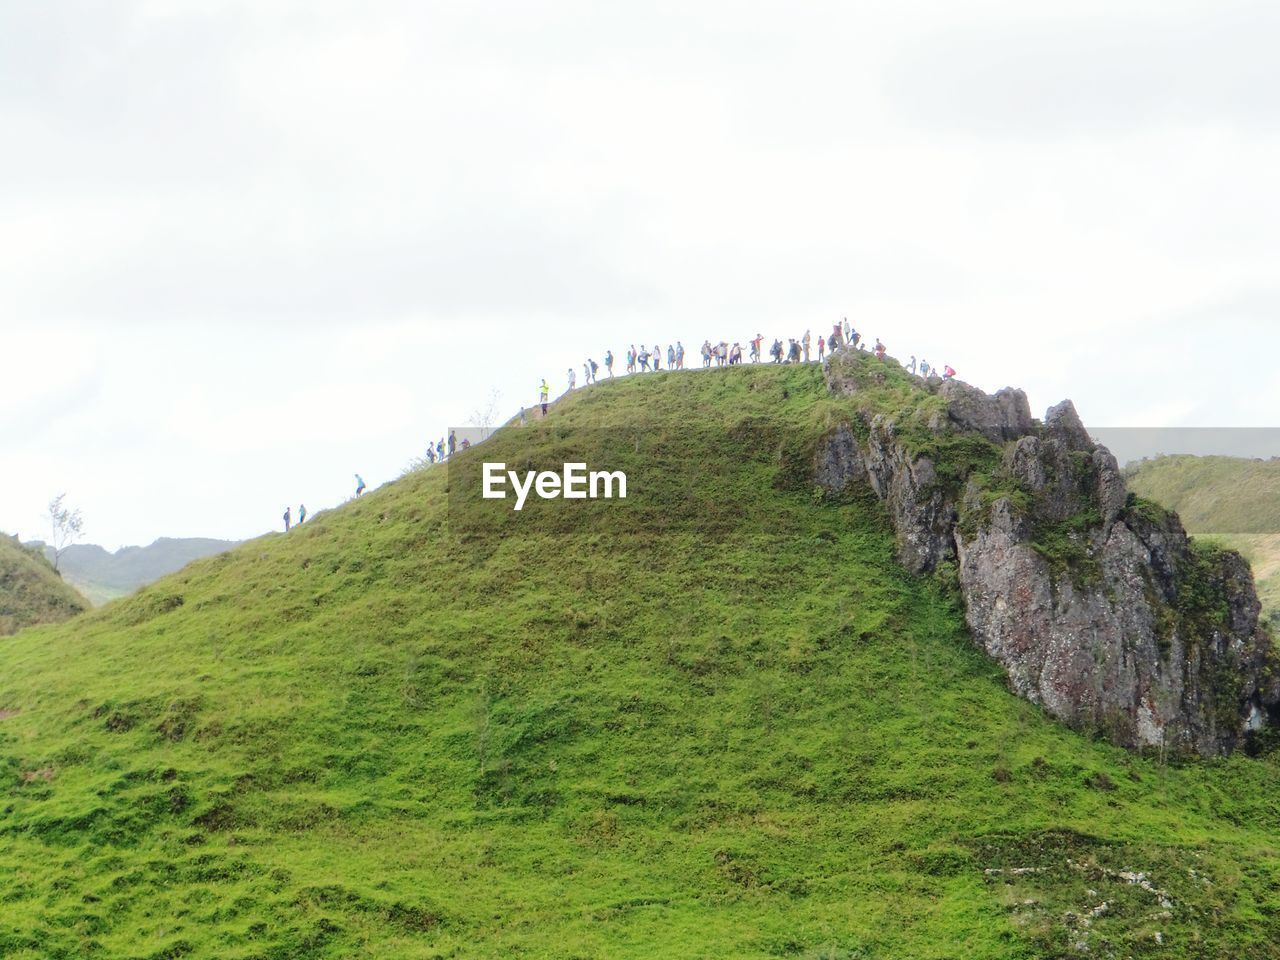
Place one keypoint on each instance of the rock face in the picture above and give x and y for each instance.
(1097, 604)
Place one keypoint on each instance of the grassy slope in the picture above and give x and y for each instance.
(30, 591)
(371, 738)
(1235, 501)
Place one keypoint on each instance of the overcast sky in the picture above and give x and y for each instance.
(248, 249)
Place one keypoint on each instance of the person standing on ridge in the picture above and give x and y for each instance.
(302, 514)
(453, 442)
(286, 519)
(522, 417)
(848, 331)
(755, 347)
(359, 485)
(924, 369)
(679, 355)
(595, 370)
(806, 341)
(573, 379)
(657, 357)
(671, 357)
(632, 358)
(822, 346)
(440, 451)
(948, 373)
(911, 367)
(608, 362)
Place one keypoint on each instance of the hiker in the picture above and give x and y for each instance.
(440, 451)
(755, 347)
(848, 332)
(948, 373)
(706, 353)
(855, 339)
(573, 379)
(657, 357)
(631, 359)
(608, 361)
(924, 369)
(775, 351)
(793, 351)
(679, 355)
(586, 374)
(880, 351)
(431, 453)
(595, 368)
(735, 354)
(806, 341)
(360, 484)
(671, 357)
(822, 346)
(835, 340)
(286, 519)
(453, 442)
(544, 391)
(466, 443)
(643, 359)
(522, 419)
(911, 367)
(302, 514)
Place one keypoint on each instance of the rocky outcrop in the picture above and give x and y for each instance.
(1097, 604)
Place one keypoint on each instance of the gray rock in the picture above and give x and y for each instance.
(1107, 617)
(1004, 416)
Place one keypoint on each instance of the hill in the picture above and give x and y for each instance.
(101, 575)
(718, 718)
(31, 592)
(1234, 501)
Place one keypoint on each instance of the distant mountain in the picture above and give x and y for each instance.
(103, 576)
(30, 591)
(1231, 499)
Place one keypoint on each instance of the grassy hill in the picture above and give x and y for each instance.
(101, 575)
(713, 720)
(1232, 500)
(30, 591)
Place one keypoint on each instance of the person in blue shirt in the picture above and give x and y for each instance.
(286, 519)
(302, 513)
(359, 484)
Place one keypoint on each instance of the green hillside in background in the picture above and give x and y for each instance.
(714, 720)
(102, 575)
(1235, 501)
(31, 592)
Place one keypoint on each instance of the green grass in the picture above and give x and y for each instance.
(31, 592)
(1232, 501)
(716, 720)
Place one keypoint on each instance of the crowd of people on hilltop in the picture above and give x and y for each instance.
(643, 359)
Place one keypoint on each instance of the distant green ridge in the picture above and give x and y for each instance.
(1232, 500)
(714, 720)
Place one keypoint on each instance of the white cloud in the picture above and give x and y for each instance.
(283, 242)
